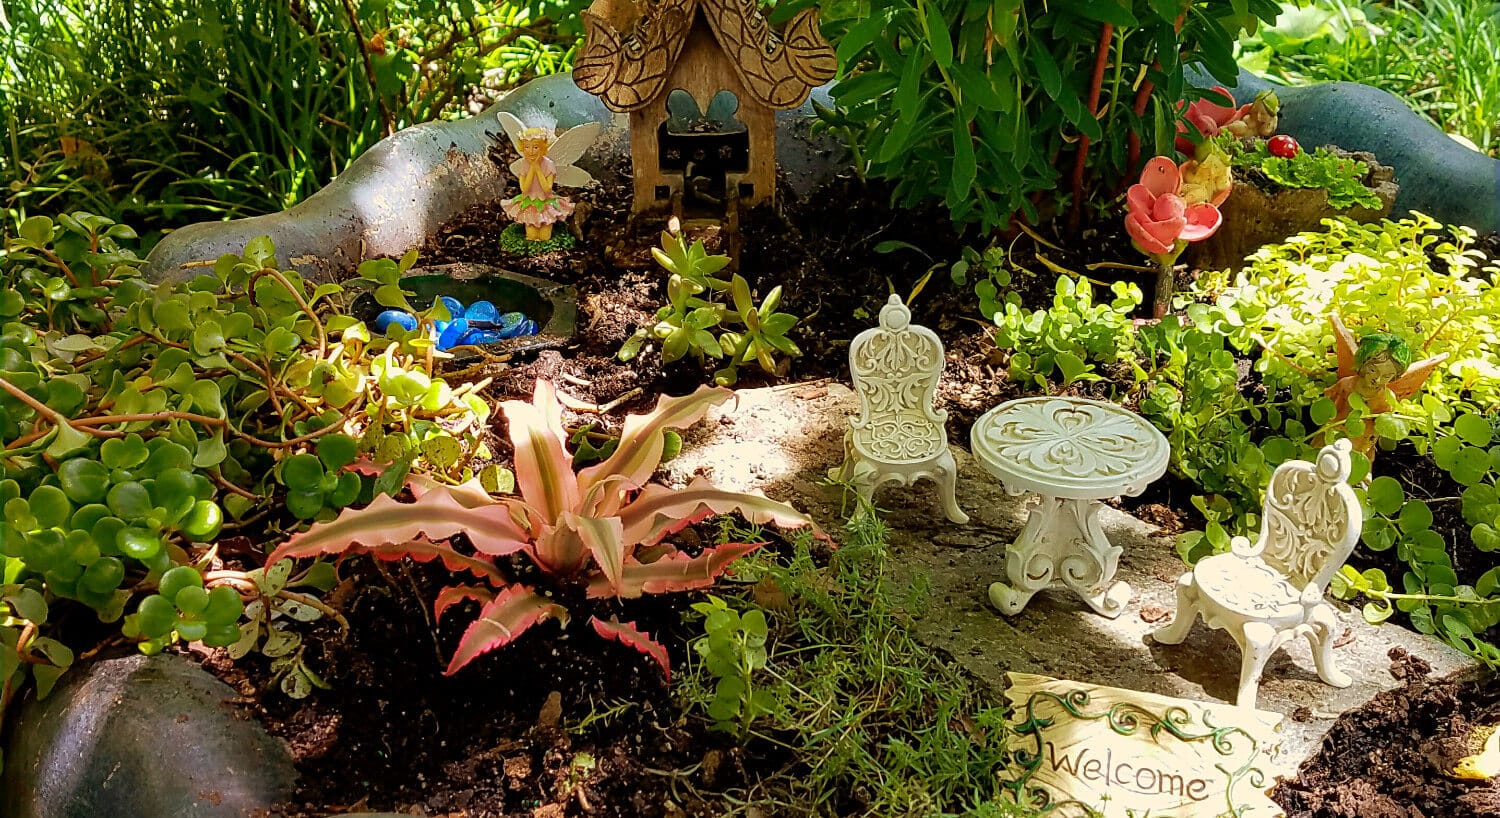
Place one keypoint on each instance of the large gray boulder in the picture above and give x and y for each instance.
(141, 737)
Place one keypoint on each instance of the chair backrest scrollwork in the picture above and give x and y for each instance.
(895, 368)
(1311, 517)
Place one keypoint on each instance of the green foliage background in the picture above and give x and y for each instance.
(167, 112)
(994, 106)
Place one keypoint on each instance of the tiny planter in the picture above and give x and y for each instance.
(1259, 211)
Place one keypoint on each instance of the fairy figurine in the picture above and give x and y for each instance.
(1378, 367)
(546, 161)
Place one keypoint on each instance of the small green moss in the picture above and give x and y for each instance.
(513, 240)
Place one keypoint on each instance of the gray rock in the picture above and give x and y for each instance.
(1437, 175)
(141, 737)
(782, 443)
(398, 193)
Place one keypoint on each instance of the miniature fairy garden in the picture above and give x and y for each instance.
(678, 479)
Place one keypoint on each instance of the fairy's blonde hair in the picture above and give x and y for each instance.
(536, 134)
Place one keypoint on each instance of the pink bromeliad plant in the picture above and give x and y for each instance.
(601, 530)
(1163, 216)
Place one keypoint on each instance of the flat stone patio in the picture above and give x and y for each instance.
(782, 440)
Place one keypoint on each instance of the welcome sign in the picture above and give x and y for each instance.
(1128, 754)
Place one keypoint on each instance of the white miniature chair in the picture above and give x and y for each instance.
(898, 437)
(1272, 592)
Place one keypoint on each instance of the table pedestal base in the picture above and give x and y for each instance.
(1062, 544)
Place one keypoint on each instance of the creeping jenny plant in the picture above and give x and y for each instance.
(601, 530)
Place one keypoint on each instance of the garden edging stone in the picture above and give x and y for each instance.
(399, 193)
(141, 736)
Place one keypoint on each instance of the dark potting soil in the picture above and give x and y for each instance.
(820, 249)
(559, 723)
(1390, 758)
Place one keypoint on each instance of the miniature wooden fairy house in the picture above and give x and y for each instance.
(637, 55)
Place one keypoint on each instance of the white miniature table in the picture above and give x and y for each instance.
(1074, 453)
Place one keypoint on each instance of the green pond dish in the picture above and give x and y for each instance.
(553, 306)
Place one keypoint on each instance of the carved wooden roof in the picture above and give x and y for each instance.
(629, 50)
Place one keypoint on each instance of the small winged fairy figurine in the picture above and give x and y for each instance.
(1378, 367)
(546, 161)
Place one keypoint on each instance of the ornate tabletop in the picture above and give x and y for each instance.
(1073, 452)
(1069, 447)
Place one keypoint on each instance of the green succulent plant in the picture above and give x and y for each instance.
(687, 324)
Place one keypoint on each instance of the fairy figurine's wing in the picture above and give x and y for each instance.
(513, 127)
(1345, 345)
(569, 148)
(1415, 375)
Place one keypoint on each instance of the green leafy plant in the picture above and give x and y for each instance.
(266, 623)
(1380, 277)
(1339, 176)
(1063, 340)
(762, 336)
(600, 531)
(857, 700)
(990, 106)
(1239, 387)
(993, 287)
(137, 421)
(182, 608)
(732, 649)
(748, 332)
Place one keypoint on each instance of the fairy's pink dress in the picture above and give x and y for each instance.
(537, 206)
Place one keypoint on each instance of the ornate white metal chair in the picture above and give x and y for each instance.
(898, 437)
(1271, 592)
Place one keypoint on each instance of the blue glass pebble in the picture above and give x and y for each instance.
(482, 311)
(448, 336)
(405, 320)
(528, 327)
(509, 324)
(455, 307)
(478, 337)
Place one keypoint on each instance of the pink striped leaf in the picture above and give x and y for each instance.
(605, 539)
(626, 633)
(504, 618)
(643, 437)
(674, 572)
(659, 511)
(544, 470)
(424, 550)
(436, 515)
(452, 595)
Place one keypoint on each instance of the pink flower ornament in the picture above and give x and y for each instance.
(1208, 117)
(1160, 222)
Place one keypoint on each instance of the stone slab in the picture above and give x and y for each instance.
(782, 440)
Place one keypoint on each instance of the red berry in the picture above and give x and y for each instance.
(1283, 146)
